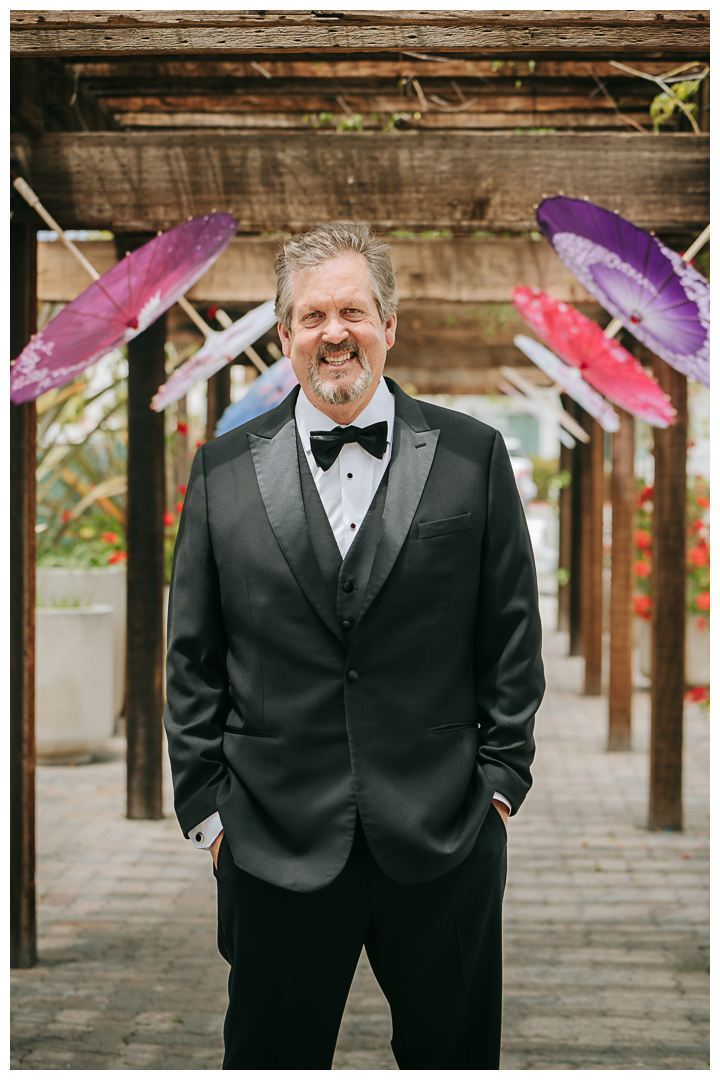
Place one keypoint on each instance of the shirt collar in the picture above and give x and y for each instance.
(381, 406)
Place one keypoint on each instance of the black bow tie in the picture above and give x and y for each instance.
(326, 445)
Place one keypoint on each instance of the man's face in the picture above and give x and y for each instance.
(337, 342)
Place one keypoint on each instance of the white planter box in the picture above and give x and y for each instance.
(74, 712)
(697, 650)
(96, 585)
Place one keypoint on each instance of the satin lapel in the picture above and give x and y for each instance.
(406, 481)
(278, 476)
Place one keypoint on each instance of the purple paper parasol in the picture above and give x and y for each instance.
(120, 304)
(658, 297)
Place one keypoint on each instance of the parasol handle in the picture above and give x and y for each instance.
(196, 318)
(31, 198)
(612, 327)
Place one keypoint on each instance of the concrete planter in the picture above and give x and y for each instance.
(74, 712)
(697, 650)
(59, 585)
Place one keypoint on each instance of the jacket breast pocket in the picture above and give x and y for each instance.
(429, 529)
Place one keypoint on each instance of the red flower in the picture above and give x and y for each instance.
(702, 500)
(109, 538)
(181, 428)
(701, 623)
(642, 568)
(199, 444)
(642, 606)
(178, 507)
(696, 526)
(698, 556)
(168, 519)
(182, 488)
(702, 601)
(642, 538)
(698, 693)
(212, 312)
(117, 556)
(65, 516)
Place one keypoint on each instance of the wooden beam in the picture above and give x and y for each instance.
(89, 33)
(457, 380)
(145, 574)
(580, 459)
(21, 514)
(131, 71)
(668, 607)
(621, 589)
(462, 270)
(592, 551)
(464, 182)
(409, 121)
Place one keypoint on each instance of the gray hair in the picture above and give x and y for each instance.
(330, 241)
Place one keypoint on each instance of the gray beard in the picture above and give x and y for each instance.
(340, 395)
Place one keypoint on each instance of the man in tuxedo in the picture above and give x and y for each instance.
(353, 672)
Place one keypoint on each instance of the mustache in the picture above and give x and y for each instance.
(329, 348)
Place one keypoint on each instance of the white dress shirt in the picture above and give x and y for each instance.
(346, 491)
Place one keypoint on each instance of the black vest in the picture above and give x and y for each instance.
(345, 579)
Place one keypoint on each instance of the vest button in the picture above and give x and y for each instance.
(348, 586)
(346, 625)
(352, 676)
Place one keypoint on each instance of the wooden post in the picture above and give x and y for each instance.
(591, 554)
(564, 534)
(23, 429)
(621, 589)
(145, 574)
(668, 607)
(218, 399)
(579, 456)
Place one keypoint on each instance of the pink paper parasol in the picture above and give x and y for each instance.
(219, 349)
(120, 305)
(603, 363)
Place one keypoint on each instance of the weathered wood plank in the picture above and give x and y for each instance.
(456, 380)
(129, 71)
(102, 33)
(432, 121)
(308, 101)
(145, 19)
(460, 270)
(140, 181)
(668, 607)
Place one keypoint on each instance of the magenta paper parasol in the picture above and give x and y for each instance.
(662, 300)
(219, 349)
(603, 363)
(120, 305)
(569, 381)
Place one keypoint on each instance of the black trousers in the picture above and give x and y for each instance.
(435, 949)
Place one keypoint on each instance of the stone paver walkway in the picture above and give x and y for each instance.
(606, 931)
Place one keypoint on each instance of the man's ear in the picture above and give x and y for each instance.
(390, 328)
(284, 336)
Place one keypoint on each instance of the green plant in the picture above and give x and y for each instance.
(664, 105)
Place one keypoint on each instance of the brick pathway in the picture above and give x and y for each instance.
(605, 935)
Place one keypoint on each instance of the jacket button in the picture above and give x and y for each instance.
(346, 625)
(348, 586)
(352, 676)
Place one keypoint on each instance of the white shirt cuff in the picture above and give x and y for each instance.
(502, 798)
(207, 832)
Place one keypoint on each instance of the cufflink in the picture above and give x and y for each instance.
(199, 837)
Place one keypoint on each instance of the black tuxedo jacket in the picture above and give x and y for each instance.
(289, 718)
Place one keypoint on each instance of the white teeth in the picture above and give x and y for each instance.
(338, 359)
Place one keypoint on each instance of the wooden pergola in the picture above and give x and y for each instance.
(451, 122)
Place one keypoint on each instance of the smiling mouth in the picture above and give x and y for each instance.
(339, 359)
